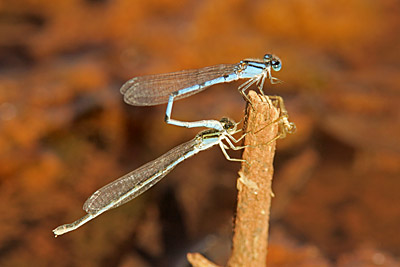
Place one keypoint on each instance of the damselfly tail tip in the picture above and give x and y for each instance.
(55, 233)
(60, 230)
(291, 128)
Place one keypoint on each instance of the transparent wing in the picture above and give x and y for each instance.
(138, 180)
(155, 89)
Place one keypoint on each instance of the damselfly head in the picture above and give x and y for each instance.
(228, 124)
(274, 61)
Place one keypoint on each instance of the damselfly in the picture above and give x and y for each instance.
(162, 88)
(138, 181)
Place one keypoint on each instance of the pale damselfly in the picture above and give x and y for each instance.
(138, 181)
(157, 89)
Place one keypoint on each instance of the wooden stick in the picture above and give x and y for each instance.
(250, 238)
(198, 260)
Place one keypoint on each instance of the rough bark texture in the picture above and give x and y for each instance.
(250, 238)
(198, 260)
(254, 186)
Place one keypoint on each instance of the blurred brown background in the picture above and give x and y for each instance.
(65, 130)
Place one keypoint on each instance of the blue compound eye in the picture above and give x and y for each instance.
(276, 65)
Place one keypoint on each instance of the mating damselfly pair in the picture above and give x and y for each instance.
(165, 88)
